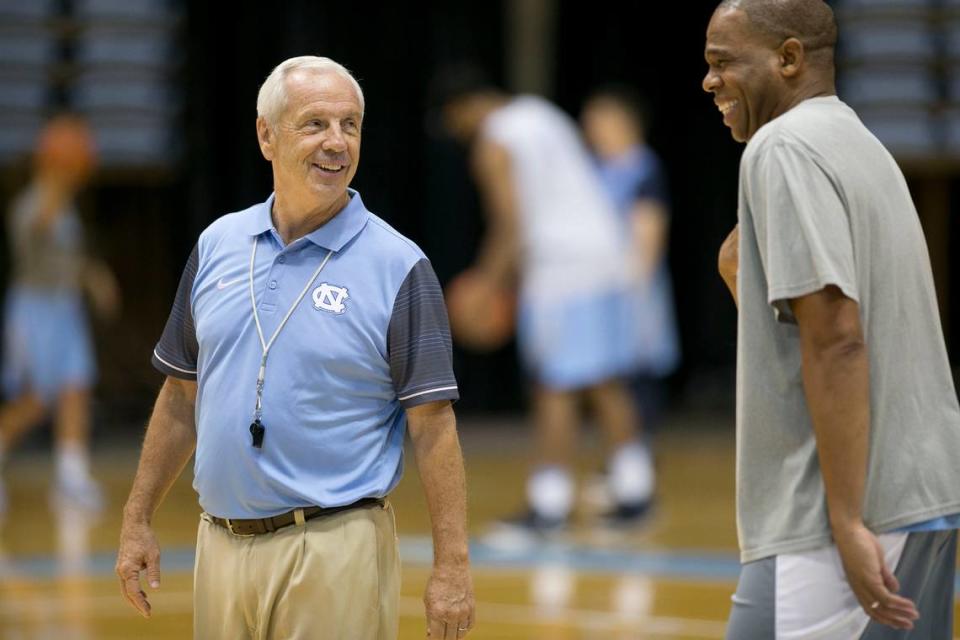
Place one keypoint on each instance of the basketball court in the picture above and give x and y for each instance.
(670, 579)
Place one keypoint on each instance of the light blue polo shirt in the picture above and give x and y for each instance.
(368, 339)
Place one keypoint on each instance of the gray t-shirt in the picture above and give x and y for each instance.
(50, 261)
(823, 203)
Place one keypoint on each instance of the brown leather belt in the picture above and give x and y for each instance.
(256, 526)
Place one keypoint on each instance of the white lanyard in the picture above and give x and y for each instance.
(257, 429)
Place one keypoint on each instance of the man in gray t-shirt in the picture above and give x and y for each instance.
(848, 426)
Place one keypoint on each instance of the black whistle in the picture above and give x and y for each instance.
(257, 430)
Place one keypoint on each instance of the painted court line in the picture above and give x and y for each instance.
(585, 619)
(169, 602)
(181, 602)
(418, 550)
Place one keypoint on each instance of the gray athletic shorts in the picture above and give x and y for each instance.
(926, 569)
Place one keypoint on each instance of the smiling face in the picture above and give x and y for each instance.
(315, 143)
(744, 73)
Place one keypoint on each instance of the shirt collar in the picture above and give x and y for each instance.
(334, 234)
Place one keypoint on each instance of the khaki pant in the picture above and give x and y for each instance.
(335, 577)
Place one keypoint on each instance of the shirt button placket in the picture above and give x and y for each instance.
(281, 259)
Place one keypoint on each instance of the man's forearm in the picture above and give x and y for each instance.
(499, 256)
(650, 224)
(170, 440)
(500, 252)
(440, 463)
(836, 383)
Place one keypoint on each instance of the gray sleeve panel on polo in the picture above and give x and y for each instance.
(754, 603)
(176, 353)
(418, 341)
(803, 229)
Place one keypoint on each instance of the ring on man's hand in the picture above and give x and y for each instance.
(463, 628)
(875, 605)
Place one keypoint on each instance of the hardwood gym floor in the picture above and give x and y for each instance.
(671, 579)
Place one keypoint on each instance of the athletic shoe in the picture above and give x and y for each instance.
(81, 491)
(524, 530)
(628, 515)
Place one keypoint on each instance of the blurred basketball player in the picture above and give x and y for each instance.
(554, 231)
(614, 124)
(48, 364)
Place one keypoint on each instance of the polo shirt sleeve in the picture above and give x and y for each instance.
(176, 353)
(418, 342)
(803, 230)
(652, 184)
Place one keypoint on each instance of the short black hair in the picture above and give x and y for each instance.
(627, 98)
(457, 80)
(810, 21)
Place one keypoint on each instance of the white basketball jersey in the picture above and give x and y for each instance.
(572, 239)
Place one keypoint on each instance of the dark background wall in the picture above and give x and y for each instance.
(145, 225)
(417, 180)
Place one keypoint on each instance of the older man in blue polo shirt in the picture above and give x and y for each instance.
(305, 337)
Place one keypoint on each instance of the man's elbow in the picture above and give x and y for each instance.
(430, 419)
(830, 325)
(842, 344)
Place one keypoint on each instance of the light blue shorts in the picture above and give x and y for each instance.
(47, 344)
(577, 342)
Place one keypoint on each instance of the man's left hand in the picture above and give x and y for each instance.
(871, 580)
(449, 603)
(728, 262)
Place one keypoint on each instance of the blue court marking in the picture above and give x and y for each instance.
(702, 566)
(48, 567)
(694, 566)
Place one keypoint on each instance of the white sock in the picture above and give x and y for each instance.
(72, 461)
(550, 492)
(631, 474)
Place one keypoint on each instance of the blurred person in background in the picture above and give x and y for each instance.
(48, 360)
(614, 123)
(848, 427)
(552, 232)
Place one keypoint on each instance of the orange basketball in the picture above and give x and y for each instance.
(482, 314)
(66, 148)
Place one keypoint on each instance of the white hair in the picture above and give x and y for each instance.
(272, 98)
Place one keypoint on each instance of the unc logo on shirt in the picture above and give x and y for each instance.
(328, 297)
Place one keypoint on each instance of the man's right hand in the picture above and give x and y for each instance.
(139, 551)
(729, 260)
